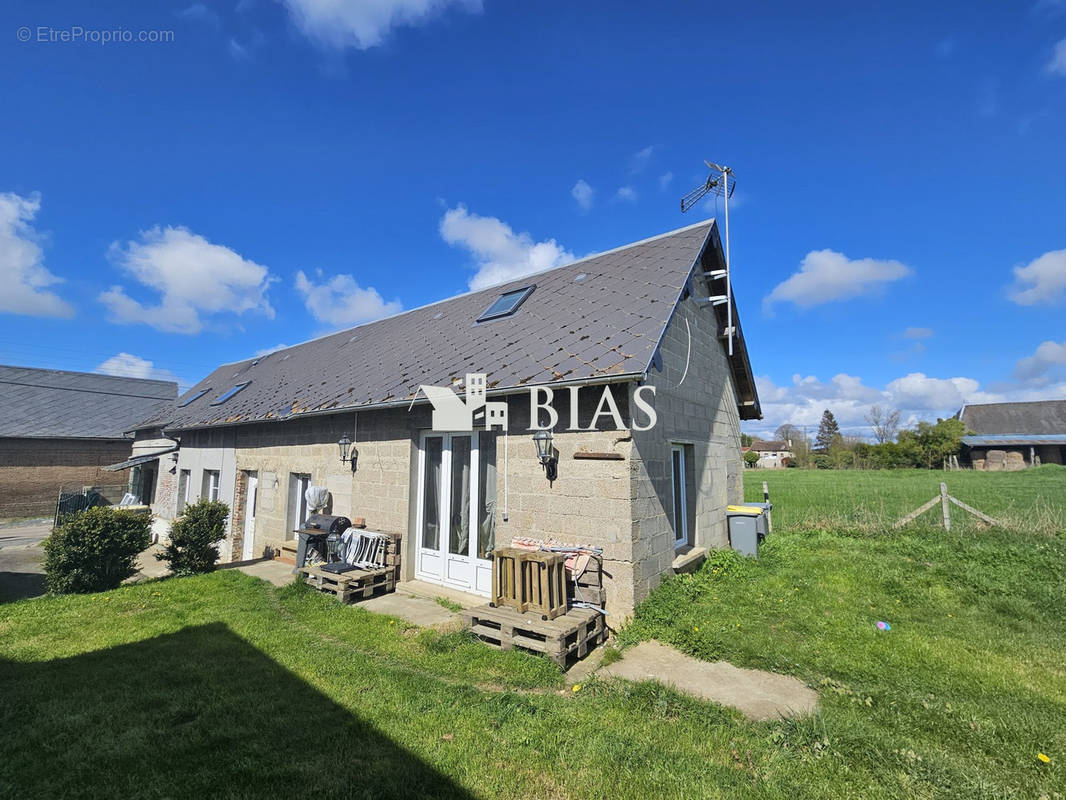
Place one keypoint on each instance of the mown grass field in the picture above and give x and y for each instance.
(221, 685)
(873, 500)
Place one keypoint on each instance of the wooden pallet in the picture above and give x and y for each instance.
(357, 583)
(568, 636)
(588, 586)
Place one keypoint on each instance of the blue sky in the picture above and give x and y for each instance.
(282, 168)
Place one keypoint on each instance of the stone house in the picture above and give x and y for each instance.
(1014, 436)
(622, 339)
(773, 455)
(59, 430)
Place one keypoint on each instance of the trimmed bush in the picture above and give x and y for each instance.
(194, 538)
(95, 550)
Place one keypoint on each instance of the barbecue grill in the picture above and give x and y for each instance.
(317, 532)
(324, 524)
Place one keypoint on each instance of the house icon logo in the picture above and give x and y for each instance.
(452, 414)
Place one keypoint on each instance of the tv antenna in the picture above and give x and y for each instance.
(721, 183)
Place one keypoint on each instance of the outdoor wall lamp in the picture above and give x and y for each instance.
(348, 453)
(546, 453)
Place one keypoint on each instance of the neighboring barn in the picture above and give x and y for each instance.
(257, 433)
(1013, 436)
(773, 455)
(59, 429)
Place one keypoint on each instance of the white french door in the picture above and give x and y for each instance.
(455, 524)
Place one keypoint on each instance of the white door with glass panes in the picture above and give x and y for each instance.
(456, 520)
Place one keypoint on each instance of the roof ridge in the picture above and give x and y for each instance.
(102, 375)
(424, 306)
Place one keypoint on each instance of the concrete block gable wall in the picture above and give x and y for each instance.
(697, 408)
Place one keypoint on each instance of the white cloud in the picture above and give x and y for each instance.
(826, 275)
(1048, 356)
(200, 13)
(639, 160)
(24, 278)
(192, 276)
(583, 193)
(238, 51)
(1042, 280)
(1057, 64)
(627, 194)
(264, 351)
(365, 23)
(919, 392)
(917, 395)
(917, 333)
(341, 302)
(126, 365)
(665, 179)
(501, 254)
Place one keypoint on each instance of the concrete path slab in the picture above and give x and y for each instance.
(24, 533)
(21, 572)
(417, 610)
(759, 695)
(148, 566)
(274, 572)
(431, 591)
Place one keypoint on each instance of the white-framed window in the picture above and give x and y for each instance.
(679, 486)
(209, 488)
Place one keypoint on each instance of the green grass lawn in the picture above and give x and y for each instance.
(873, 500)
(222, 685)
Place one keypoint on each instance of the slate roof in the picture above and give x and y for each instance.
(770, 447)
(1043, 417)
(598, 319)
(38, 403)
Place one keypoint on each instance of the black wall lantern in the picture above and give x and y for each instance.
(348, 453)
(546, 453)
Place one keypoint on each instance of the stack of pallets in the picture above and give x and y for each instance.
(569, 636)
(356, 584)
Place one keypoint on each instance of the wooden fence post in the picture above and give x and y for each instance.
(944, 506)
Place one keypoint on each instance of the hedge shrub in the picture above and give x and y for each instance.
(194, 538)
(95, 550)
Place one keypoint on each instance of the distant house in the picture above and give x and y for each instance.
(1013, 436)
(773, 455)
(60, 430)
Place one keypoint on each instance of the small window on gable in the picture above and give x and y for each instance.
(222, 398)
(194, 397)
(507, 303)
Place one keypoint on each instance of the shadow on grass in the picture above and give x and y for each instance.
(196, 713)
(20, 585)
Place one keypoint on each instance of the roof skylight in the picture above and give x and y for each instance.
(222, 398)
(507, 303)
(193, 397)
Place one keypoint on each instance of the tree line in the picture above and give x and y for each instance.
(927, 445)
